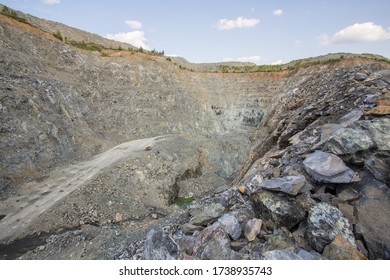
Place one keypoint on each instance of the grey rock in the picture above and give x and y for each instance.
(373, 217)
(324, 223)
(379, 166)
(189, 228)
(327, 168)
(281, 255)
(279, 240)
(312, 255)
(208, 214)
(360, 77)
(349, 141)
(379, 130)
(238, 245)
(348, 195)
(213, 243)
(350, 118)
(289, 184)
(159, 246)
(278, 208)
(358, 141)
(252, 229)
(231, 225)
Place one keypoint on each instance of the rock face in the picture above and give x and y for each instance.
(168, 163)
(327, 168)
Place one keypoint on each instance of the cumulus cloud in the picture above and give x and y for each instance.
(357, 33)
(240, 22)
(255, 59)
(135, 38)
(277, 62)
(134, 24)
(278, 12)
(51, 2)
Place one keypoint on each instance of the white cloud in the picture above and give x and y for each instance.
(357, 33)
(51, 2)
(240, 22)
(135, 38)
(278, 12)
(134, 24)
(277, 62)
(255, 59)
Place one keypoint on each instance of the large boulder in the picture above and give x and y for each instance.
(373, 217)
(278, 208)
(327, 168)
(360, 139)
(324, 223)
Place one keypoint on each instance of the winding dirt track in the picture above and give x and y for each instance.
(39, 197)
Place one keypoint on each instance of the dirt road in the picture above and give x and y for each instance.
(37, 197)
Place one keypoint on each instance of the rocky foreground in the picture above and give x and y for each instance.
(321, 192)
(134, 157)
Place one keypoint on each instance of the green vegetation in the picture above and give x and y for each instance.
(58, 35)
(183, 202)
(85, 46)
(250, 69)
(12, 14)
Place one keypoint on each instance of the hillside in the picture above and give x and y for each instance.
(106, 150)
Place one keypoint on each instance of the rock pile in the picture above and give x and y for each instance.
(320, 192)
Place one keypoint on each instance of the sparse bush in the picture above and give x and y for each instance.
(58, 35)
(12, 14)
(85, 46)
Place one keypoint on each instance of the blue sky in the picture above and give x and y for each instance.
(260, 31)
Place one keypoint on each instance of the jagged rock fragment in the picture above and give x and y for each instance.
(373, 217)
(231, 225)
(159, 246)
(327, 168)
(341, 249)
(278, 208)
(289, 184)
(379, 166)
(252, 229)
(213, 243)
(324, 223)
(208, 214)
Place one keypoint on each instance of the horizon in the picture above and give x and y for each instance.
(219, 31)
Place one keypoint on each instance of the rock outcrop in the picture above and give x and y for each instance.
(141, 159)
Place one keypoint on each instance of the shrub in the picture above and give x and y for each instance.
(58, 35)
(12, 14)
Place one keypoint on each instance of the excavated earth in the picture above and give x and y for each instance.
(126, 155)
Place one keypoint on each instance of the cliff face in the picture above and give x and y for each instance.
(61, 104)
(112, 138)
